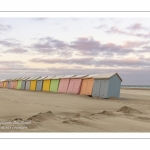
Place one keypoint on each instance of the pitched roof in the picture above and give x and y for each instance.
(91, 76)
(58, 77)
(35, 78)
(106, 76)
(22, 78)
(103, 76)
(49, 77)
(30, 78)
(80, 76)
(67, 76)
(42, 78)
(26, 78)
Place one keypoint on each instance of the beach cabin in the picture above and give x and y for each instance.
(75, 84)
(19, 83)
(55, 83)
(39, 83)
(107, 85)
(28, 81)
(8, 83)
(103, 85)
(46, 83)
(87, 85)
(15, 83)
(12, 83)
(2, 83)
(23, 85)
(64, 82)
(33, 83)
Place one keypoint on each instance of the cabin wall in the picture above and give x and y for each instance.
(114, 87)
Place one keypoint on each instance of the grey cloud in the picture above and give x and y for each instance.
(8, 43)
(123, 62)
(137, 26)
(5, 27)
(89, 61)
(146, 35)
(146, 47)
(115, 30)
(75, 19)
(39, 19)
(11, 64)
(131, 44)
(16, 50)
(101, 26)
(83, 61)
(113, 48)
(49, 45)
(89, 46)
(85, 46)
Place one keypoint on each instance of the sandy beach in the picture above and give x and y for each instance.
(32, 111)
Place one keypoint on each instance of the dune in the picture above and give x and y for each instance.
(128, 110)
(32, 111)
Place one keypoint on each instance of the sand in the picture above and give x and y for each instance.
(32, 111)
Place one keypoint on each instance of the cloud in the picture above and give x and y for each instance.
(101, 26)
(16, 50)
(49, 45)
(115, 30)
(5, 27)
(125, 62)
(89, 46)
(132, 44)
(69, 61)
(11, 64)
(39, 19)
(136, 26)
(8, 43)
(85, 46)
(146, 47)
(91, 61)
(143, 35)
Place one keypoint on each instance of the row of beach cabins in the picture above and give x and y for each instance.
(103, 85)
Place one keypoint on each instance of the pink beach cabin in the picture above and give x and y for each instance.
(11, 84)
(75, 84)
(64, 83)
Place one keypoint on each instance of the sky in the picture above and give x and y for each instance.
(60, 46)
